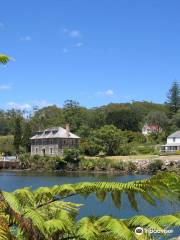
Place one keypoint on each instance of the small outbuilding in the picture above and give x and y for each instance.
(150, 128)
(53, 141)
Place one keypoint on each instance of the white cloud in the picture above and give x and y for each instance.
(41, 103)
(2, 26)
(107, 93)
(79, 44)
(28, 106)
(18, 106)
(26, 38)
(74, 33)
(4, 87)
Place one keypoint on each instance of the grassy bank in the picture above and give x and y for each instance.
(72, 161)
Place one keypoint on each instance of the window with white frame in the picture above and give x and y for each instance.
(51, 151)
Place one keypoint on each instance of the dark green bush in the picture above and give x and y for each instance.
(37, 162)
(6, 145)
(127, 149)
(131, 167)
(25, 160)
(90, 148)
(103, 163)
(155, 165)
(98, 164)
(71, 155)
(87, 164)
(135, 137)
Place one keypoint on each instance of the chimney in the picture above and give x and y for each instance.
(67, 130)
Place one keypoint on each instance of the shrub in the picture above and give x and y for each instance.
(131, 167)
(90, 148)
(71, 155)
(136, 137)
(25, 160)
(59, 163)
(155, 165)
(6, 145)
(127, 149)
(178, 152)
(146, 149)
(87, 164)
(118, 165)
(103, 163)
(91, 164)
(37, 162)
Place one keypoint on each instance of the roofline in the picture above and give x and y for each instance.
(32, 138)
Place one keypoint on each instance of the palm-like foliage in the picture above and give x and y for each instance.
(3, 59)
(44, 213)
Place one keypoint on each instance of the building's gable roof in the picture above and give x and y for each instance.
(175, 134)
(151, 127)
(54, 133)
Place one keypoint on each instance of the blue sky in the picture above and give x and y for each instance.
(95, 52)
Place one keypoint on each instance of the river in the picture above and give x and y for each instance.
(11, 180)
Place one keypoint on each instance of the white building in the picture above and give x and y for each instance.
(173, 143)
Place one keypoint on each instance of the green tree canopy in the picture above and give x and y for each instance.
(74, 115)
(4, 59)
(158, 118)
(124, 119)
(51, 116)
(108, 138)
(26, 135)
(173, 97)
(17, 134)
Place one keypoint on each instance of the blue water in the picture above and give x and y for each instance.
(10, 181)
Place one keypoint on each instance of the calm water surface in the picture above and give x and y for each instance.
(10, 181)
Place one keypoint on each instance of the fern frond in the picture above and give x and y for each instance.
(115, 228)
(36, 219)
(86, 229)
(25, 197)
(12, 200)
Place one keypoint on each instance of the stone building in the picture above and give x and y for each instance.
(53, 141)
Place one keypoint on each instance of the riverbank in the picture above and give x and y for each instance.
(141, 164)
(126, 165)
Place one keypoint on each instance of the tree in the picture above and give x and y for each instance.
(50, 116)
(43, 214)
(96, 117)
(17, 135)
(124, 119)
(158, 118)
(27, 133)
(173, 98)
(108, 138)
(74, 115)
(4, 59)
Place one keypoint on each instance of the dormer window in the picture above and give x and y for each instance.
(174, 139)
(54, 131)
(47, 132)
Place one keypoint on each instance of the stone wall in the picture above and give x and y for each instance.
(53, 149)
(167, 164)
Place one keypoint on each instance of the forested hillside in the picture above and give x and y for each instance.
(102, 129)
